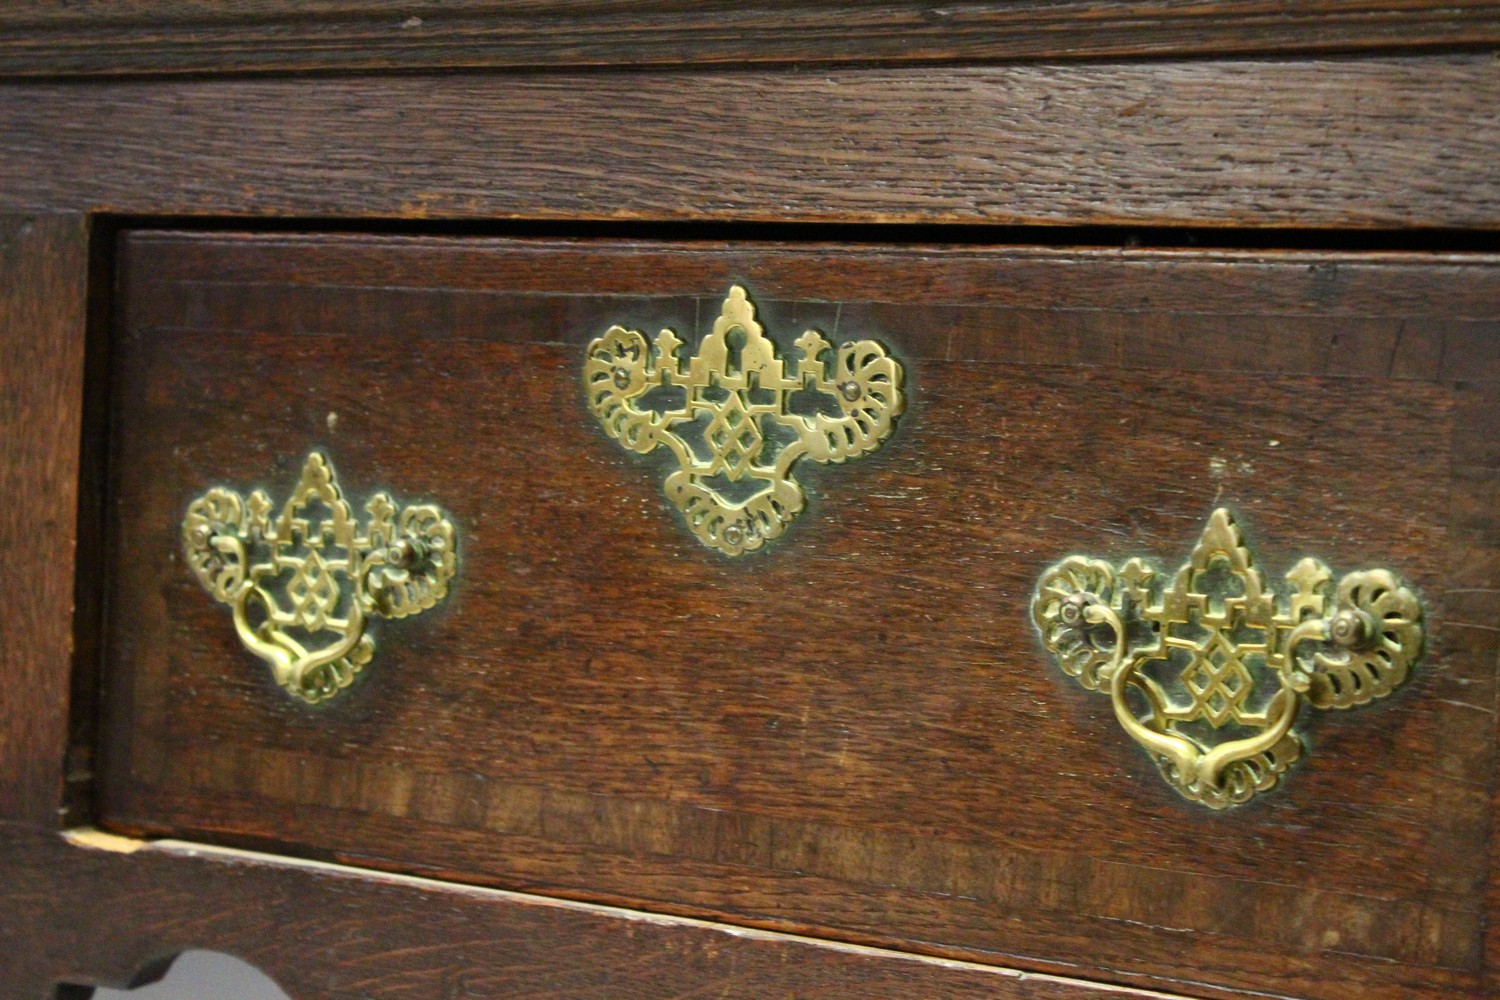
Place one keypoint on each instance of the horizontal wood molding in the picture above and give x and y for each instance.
(1244, 282)
(1395, 142)
(94, 910)
(44, 38)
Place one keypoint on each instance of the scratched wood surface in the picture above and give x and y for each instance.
(44, 38)
(43, 272)
(1381, 142)
(854, 734)
(84, 913)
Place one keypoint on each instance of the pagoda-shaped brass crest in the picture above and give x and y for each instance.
(734, 430)
(1208, 669)
(303, 583)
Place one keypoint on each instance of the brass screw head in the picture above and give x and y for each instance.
(1351, 628)
(850, 390)
(1071, 612)
(403, 553)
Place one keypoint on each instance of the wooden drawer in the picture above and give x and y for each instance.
(855, 732)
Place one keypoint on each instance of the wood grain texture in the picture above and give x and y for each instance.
(856, 735)
(1476, 560)
(76, 913)
(43, 277)
(1357, 143)
(44, 38)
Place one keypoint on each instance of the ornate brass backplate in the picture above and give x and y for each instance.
(303, 584)
(1208, 669)
(735, 434)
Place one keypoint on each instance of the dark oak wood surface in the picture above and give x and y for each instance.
(874, 810)
(1393, 142)
(87, 913)
(1476, 559)
(43, 273)
(855, 734)
(40, 37)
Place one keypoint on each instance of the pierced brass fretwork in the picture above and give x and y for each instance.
(303, 584)
(1208, 671)
(734, 481)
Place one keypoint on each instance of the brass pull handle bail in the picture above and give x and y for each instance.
(1214, 649)
(303, 584)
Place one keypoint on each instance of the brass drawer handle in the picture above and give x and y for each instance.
(302, 584)
(743, 391)
(1213, 648)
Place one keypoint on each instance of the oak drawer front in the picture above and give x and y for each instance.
(855, 732)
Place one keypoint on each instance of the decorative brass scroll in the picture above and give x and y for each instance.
(734, 480)
(303, 584)
(1209, 670)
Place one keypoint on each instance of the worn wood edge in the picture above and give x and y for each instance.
(1209, 144)
(187, 36)
(54, 873)
(1336, 282)
(44, 264)
(92, 838)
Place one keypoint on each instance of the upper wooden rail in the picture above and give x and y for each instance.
(47, 38)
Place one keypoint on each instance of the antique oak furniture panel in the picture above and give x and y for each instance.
(852, 748)
(855, 732)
